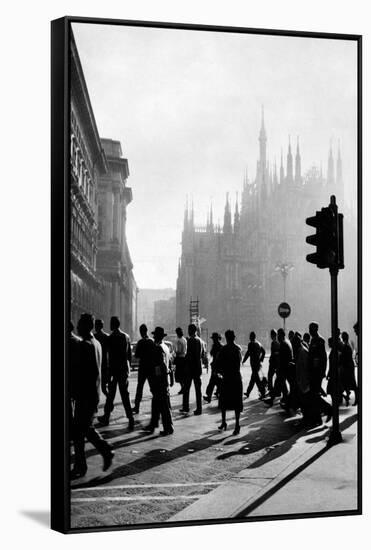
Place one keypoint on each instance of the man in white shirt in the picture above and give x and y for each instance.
(180, 353)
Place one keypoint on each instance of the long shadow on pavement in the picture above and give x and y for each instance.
(154, 458)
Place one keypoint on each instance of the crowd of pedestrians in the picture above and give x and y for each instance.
(298, 366)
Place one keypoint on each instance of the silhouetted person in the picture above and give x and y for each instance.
(317, 357)
(193, 369)
(229, 368)
(143, 352)
(348, 368)
(287, 369)
(331, 389)
(291, 336)
(317, 369)
(256, 352)
(85, 392)
(119, 359)
(214, 381)
(356, 331)
(274, 360)
(302, 380)
(73, 369)
(158, 372)
(306, 338)
(180, 358)
(102, 338)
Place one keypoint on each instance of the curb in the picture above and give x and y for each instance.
(252, 486)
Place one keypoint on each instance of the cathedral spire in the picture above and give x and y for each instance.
(339, 168)
(262, 147)
(227, 227)
(297, 164)
(330, 168)
(236, 217)
(185, 223)
(289, 174)
(210, 224)
(275, 177)
(282, 171)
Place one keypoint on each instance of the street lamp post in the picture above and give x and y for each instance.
(284, 268)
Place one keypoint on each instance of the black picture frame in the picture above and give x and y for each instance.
(60, 263)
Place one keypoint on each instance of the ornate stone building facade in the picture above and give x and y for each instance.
(87, 162)
(236, 270)
(114, 263)
(102, 280)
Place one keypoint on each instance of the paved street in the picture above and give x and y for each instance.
(153, 477)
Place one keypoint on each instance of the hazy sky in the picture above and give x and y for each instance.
(186, 106)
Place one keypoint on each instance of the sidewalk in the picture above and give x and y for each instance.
(302, 476)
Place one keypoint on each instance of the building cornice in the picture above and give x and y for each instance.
(79, 88)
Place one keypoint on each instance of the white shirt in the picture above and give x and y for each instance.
(181, 347)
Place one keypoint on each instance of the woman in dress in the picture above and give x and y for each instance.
(229, 365)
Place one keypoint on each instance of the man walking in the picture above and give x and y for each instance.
(214, 381)
(193, 369)
(273, 361)
(102, 338)
(143, 352)
(119, 359)
(317, 369)
(256, 352)
(180, 354)
(85, 392)
(158, 372)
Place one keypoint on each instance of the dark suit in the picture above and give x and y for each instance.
(85, 391)
(143, 352)
(193, 371)
(317, 371)
(158, 381)
(119, 359)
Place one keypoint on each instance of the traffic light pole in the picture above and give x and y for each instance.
(335, 434)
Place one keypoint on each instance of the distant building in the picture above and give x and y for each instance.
(87, 163)
(235, 270)
(164, 314)
(114, 262)
(146, 304)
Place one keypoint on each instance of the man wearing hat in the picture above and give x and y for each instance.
(193, 369)
(159, 384)
(214, 378)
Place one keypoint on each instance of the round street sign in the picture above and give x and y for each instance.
(284, 310)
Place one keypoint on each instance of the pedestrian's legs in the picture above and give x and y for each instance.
(271, 371)
(186, 389)
(109, 406)
(210, 386)
(142, 377)
(237, 423)
(197, 383)
(223, 425)
(97, 440)
(165, 410)
(155, 410)
(250, 385)
(124, 392)
(82, 421)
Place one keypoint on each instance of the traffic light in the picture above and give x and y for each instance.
(328, 238)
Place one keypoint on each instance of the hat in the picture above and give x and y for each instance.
(216, 335)
(159, 331)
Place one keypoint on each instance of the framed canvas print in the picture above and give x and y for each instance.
(206, 274)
